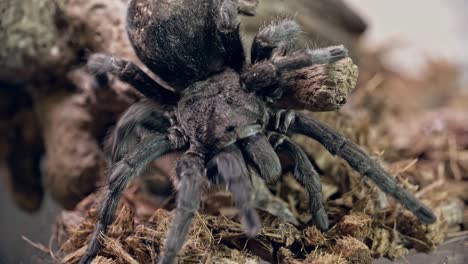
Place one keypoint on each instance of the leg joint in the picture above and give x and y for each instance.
(237, 134)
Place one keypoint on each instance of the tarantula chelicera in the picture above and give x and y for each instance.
(220, 113)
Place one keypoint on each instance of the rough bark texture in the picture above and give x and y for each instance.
(320, 87)
(67, 113)
(31, 41)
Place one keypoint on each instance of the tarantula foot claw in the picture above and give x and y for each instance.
(251, 222)
(426, 215)
(320, 219)
(100, 63)
(337, 53)
(87, 259)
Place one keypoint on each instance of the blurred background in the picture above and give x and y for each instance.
(421, 30)
(54, 124)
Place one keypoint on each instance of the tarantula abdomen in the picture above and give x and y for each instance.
(154, 29)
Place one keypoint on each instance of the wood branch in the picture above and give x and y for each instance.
(320, 87)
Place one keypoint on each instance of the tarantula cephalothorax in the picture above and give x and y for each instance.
(220, 112)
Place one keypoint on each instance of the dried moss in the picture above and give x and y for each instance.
(313, 237)
(356, 225)
(325, 258)
(421, 236)
(353, 250)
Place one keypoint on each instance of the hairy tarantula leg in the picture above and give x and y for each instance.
(190, 171)
(305, 173)
(267, 74)
(262, 156)
(130, 73)
(264, 200)
(228, 23)
(140, 120)
(309, 57)
(230, 165)
(132, 165)
(278, 38)
(337, 144)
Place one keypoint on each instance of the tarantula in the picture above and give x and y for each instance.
(220, 113)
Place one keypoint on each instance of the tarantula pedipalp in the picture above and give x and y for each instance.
(220, 112)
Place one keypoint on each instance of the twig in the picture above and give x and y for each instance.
(429, 188)
(205, 226)
(453, 157)
(51, 241)
(411, 164)
(116, 247)
(457, 234)
(36, 245)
